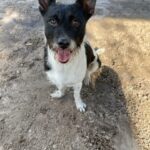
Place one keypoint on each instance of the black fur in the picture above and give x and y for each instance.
(88, 6)
(89, 53)
(47, 66)
(64, 16)
(67, 21)
(99, 62)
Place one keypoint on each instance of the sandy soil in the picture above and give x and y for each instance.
(118, 114)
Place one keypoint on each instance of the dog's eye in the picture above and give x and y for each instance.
(53, 22)
(75, 23)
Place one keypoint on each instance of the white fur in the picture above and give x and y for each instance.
(70, 74)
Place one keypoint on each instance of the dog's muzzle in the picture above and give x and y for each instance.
(63, 55)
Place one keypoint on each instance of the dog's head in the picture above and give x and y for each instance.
(65, 25)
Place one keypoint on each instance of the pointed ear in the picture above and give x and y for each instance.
(44, 4)
(88, 6)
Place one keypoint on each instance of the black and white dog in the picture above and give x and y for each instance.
(68, 58)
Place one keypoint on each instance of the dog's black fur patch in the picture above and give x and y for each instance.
(47, 67)
(64, 15)
(67, 21)
(89, 53)
(99, 62)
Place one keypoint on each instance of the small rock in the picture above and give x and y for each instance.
(22, 139)
(18, 71)
(12, 77)
(28, 44)
(37, 59)
(27, 115)
(107, 137)
(54, 146)
(31, 64)
(21, 65)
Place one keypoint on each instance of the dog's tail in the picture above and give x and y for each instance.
(99, 51)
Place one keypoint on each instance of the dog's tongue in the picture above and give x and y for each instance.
(63, 55)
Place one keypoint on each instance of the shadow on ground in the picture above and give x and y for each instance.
(111, 123)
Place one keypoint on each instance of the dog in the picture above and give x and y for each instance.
(68, 57)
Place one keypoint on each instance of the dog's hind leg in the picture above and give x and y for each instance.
(93, 67)
(93, 62)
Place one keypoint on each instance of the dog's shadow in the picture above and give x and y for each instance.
(107, 92)
(107, 113)
(106, 123)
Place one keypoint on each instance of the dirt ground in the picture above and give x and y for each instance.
(118, 113)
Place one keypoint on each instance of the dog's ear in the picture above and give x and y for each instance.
(88, 6)
(44, 4)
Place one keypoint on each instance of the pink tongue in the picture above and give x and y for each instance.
(63, 55)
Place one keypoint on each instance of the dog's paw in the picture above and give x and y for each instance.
(57, 94)
(81, 106)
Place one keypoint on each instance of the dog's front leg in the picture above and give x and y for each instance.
(78, 101)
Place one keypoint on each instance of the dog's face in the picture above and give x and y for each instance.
(65, 25)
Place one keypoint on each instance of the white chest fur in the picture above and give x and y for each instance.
(70, 73)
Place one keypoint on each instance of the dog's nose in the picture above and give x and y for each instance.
(63, 43)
